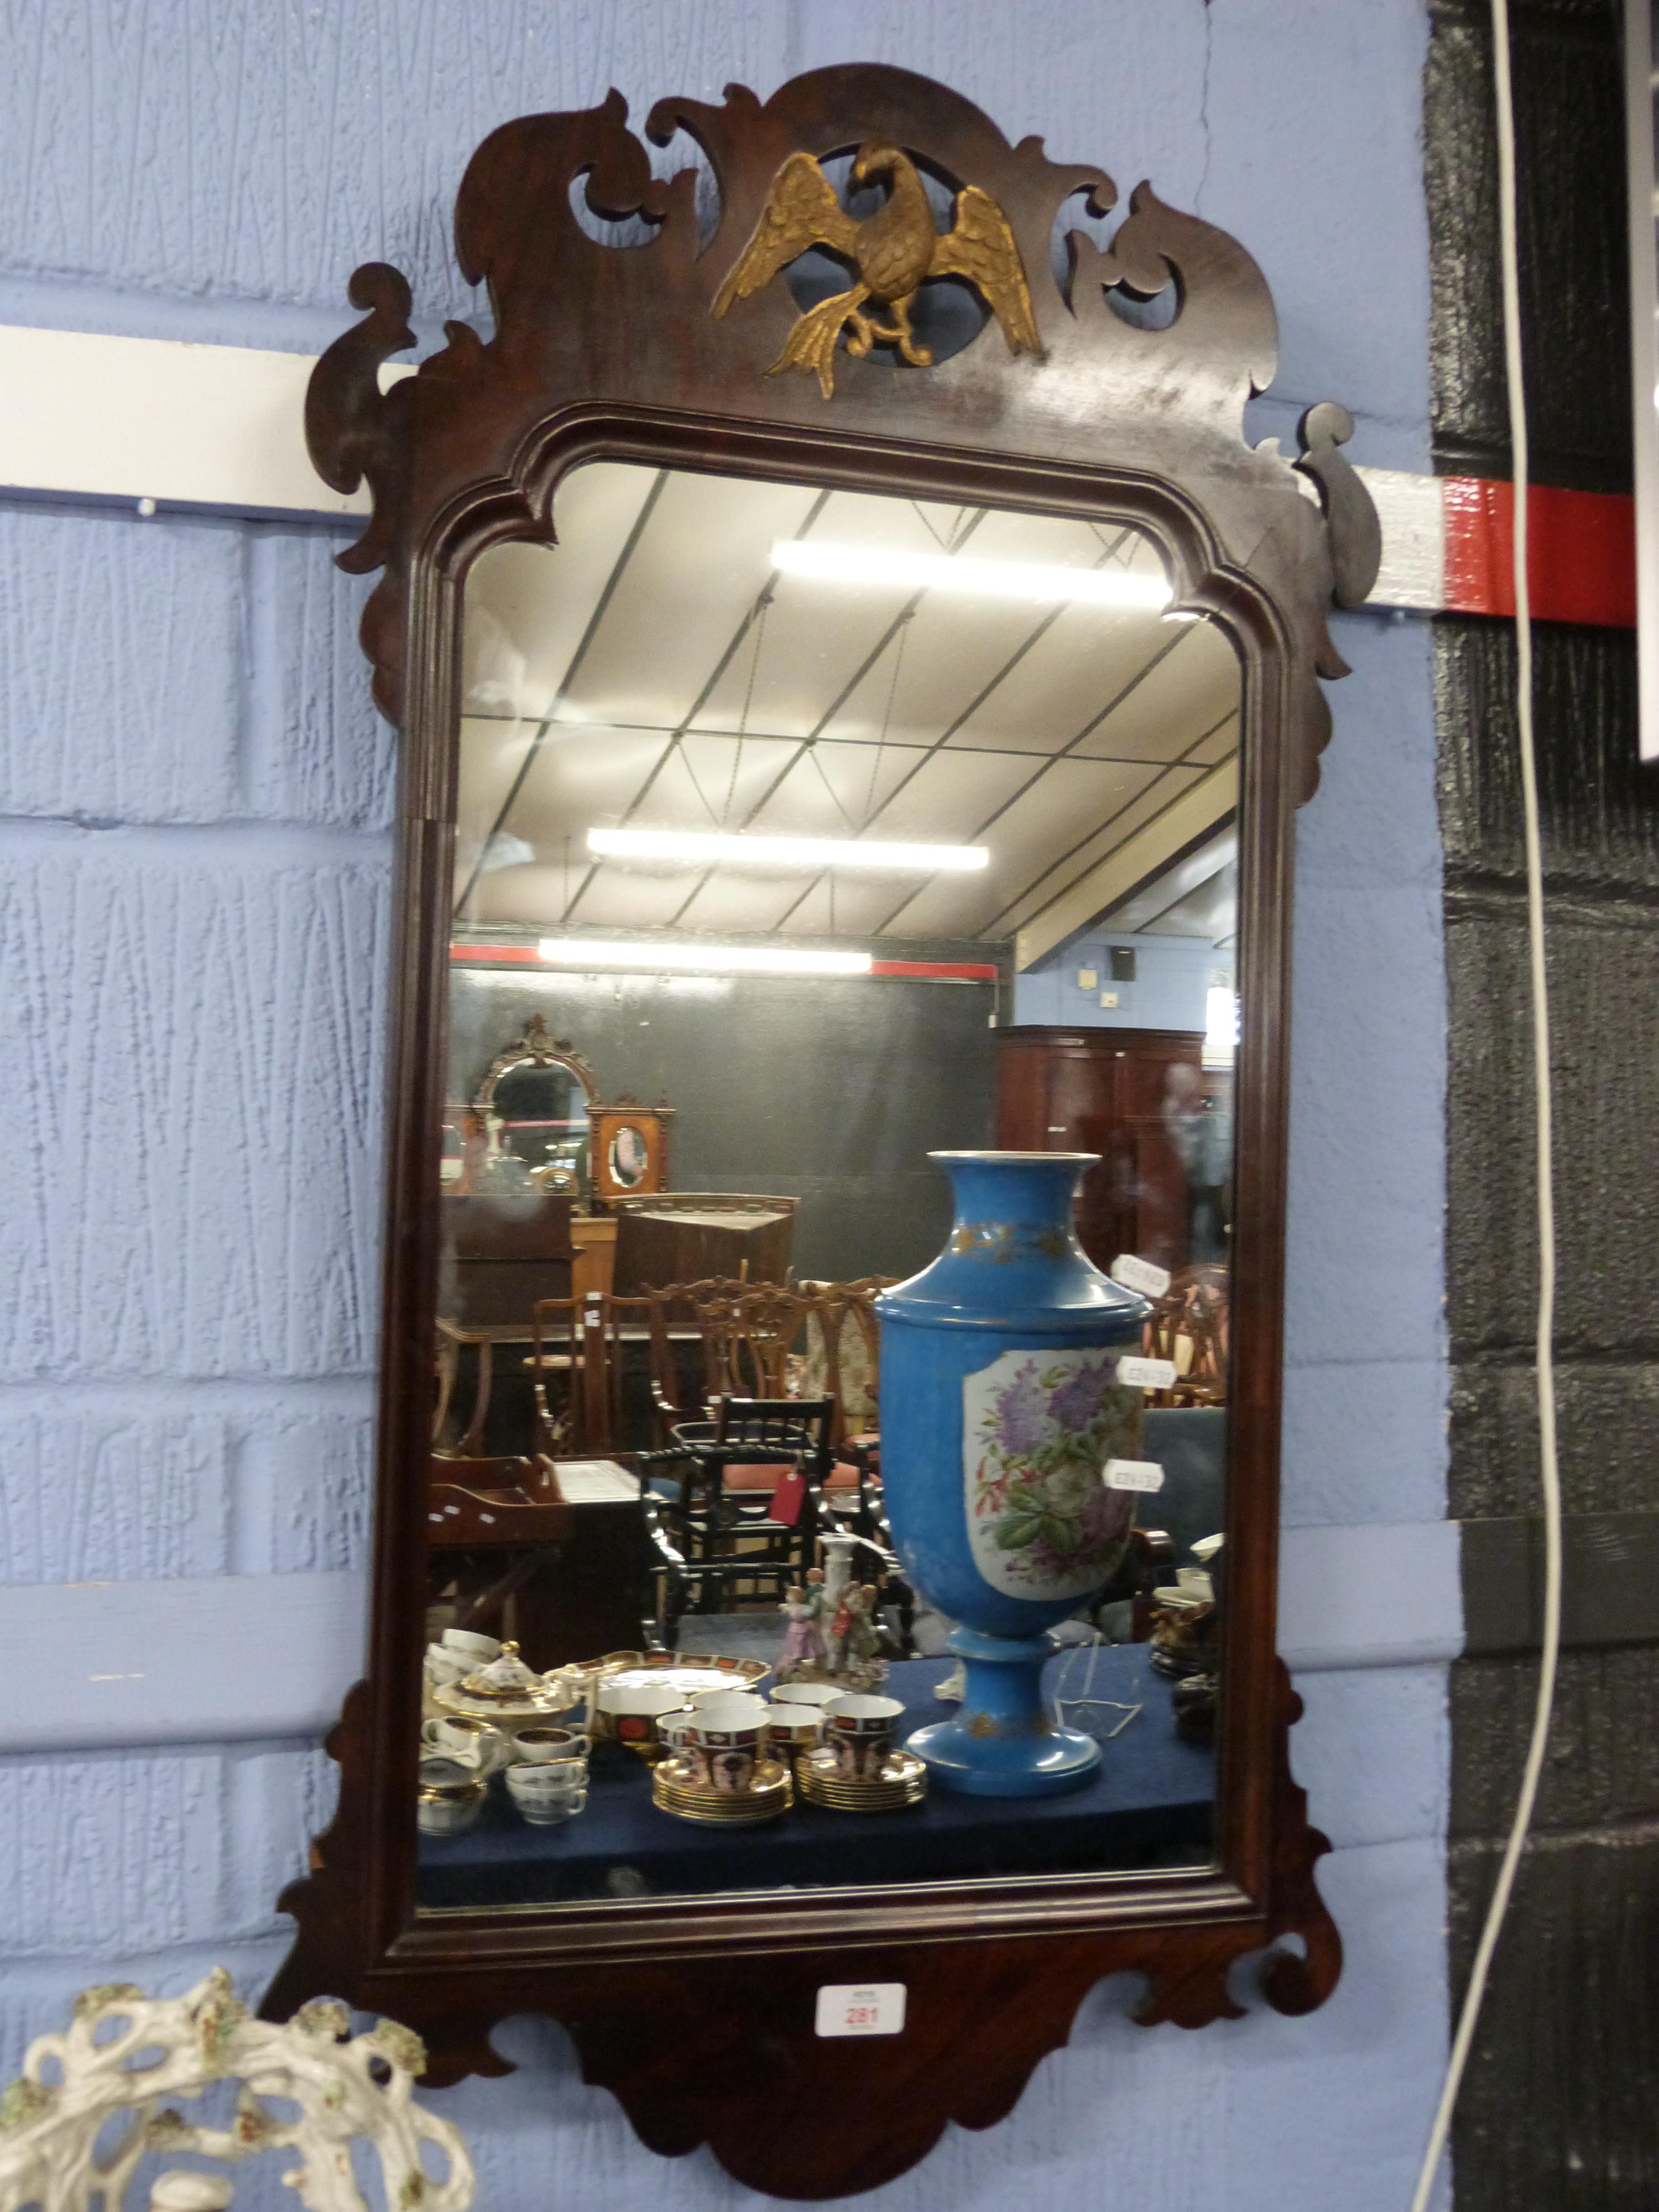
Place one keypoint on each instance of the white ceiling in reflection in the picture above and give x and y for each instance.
(654, 671)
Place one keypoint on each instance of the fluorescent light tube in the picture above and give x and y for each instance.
(1039, 581)
(1220, 1028)
(727, 959)
(700, 848)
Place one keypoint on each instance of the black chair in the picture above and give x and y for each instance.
(724, 1520)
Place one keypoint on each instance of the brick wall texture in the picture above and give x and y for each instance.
(195, 855)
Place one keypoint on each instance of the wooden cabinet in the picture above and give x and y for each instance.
(499, 1253)
(686, 1237)
(1106, 1090)
(595, 1236)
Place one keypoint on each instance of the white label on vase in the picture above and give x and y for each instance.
(1035, 1427)
(1147, 1373)
(1132, 1475)
(865, 2009)
(1143, 1275)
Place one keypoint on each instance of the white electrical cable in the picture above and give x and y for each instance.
(1549, 1471)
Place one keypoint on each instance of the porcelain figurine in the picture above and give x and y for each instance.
(803, 1640)
(999, 1408)
(854, 1642)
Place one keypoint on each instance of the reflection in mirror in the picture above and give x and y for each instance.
(860, 829)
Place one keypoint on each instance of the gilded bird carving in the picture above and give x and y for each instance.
(894, 253)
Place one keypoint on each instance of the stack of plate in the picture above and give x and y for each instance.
(902, 1781)
(772, 1793)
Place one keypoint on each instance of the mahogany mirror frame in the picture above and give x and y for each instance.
(698, 2013)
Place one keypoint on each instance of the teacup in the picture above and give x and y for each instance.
(476, 1648)
(807, 1693)
(450, 1798)
(794, 1728)
(473, 1742)
(631, 1712)
(444, 1667)
(719, 1739)
(546, 1795)
(549, 1746)
(860, 1728)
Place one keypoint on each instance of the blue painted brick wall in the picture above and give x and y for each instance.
(194, 874)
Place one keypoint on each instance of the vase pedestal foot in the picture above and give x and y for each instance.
(1004, 1742)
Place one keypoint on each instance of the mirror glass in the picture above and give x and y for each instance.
(628, 1157)
(803, 834)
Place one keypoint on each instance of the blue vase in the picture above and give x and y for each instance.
(999, 1408)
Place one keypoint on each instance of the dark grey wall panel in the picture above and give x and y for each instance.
(1570, 130)
(1603, 962)
(828, 1090)
(1559, 2105)
(1600, 823)
(1603, 1764)
(1607, 1417)
(1564, 2083)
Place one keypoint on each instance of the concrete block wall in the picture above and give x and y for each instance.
(194, 872)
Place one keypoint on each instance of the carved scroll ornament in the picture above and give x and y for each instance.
(679, 328)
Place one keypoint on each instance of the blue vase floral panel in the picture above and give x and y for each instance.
(1037, 1430)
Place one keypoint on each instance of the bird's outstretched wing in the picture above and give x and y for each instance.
(982, 248)
(801, 211)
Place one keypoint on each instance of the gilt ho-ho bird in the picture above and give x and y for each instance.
(894, 251)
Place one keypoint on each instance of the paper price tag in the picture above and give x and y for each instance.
(1132, 1475)
(788, 1498)
(1147, 1373)
(1142, 1275)
(865, 2009)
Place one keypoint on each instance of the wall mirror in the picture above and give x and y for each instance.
(861, 713)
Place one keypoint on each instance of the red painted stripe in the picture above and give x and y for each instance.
(949, 971)
(1581, 552)
(957, 971)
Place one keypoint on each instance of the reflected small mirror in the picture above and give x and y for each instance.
(628, 1157)
(847, 829)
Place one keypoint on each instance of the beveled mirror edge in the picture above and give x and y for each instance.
(469, 452)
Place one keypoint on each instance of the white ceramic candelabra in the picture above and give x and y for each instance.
(124, 2053)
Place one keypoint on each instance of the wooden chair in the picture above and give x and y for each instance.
(727, 1521)
(695, 1315)
(847, 1341)
(671, 1319)
(1189, 1326)
(749, 1335)
(576, 1360)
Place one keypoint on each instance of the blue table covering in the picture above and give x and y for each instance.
(1149, 1804)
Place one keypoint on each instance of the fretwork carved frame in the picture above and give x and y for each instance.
(698, 2013)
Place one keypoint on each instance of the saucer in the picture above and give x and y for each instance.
(689, 1673)
(673, 1789)
(532, 1705)
(902, 1781)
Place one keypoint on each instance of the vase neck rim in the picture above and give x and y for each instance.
(1017, 1159)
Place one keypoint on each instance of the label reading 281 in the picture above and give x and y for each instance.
(862, 2008)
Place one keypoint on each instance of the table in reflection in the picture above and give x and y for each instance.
(1151, 1804)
